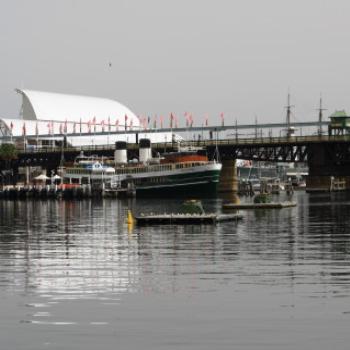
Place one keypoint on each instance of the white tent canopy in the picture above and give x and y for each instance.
(46, 113)
(88, 138)
(42, 177)
(49, 106)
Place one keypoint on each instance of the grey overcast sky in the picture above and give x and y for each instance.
(239, 57)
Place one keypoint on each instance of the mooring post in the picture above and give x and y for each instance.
(228, 177)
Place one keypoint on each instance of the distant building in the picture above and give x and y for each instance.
(47, 113)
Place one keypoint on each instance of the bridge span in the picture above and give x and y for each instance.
(327, 156)
(214, 129)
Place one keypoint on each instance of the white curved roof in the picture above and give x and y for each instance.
(39, 105)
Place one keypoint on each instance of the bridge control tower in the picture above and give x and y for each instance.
(340, 123)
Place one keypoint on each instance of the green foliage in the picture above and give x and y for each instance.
(192, 207)
(262, 198)
(8, 151)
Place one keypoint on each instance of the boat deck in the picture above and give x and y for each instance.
(185, 219)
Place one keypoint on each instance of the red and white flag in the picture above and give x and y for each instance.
(11, 126)
(191, 120)
(206, 120)
(187, 119)
(103, 125)
(222, 118)
(171, 120)
(74, 128)
(144, 122)
(36, 129)
(161, 121)
(109, 123)
(125, 121)
(89, 126)
(117, 124)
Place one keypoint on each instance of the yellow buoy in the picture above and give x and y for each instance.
(130, 218)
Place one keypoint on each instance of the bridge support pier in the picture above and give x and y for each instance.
(329, 167)
(228, 177)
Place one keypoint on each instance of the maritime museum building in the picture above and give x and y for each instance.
(46, 117)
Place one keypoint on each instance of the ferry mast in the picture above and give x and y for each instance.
(289, 129)
(320, 116)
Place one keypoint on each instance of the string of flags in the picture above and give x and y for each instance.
(108, 125)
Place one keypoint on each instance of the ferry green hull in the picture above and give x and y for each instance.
(201, 184)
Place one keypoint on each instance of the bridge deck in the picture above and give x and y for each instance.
(235, 142)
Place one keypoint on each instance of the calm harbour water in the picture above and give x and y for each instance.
(74, 276)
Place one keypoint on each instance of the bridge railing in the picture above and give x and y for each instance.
(201, 143)
(270, 140)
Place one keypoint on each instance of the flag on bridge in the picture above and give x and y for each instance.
(206, 120)
(187, 119)
(222, 118)
(24, 130)
(94, 123)
(125, 121)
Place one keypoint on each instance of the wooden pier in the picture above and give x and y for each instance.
(278, 205)
(68, 192)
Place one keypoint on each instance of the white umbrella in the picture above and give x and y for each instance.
(56, 177)
(42, 177)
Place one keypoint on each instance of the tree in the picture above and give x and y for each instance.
(8, 152)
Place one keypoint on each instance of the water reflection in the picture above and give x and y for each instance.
(81, 249)
(71, 248)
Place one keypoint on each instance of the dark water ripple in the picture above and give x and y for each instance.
(77, 273)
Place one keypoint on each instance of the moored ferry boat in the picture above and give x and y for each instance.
(184, 174)
(172, 174)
